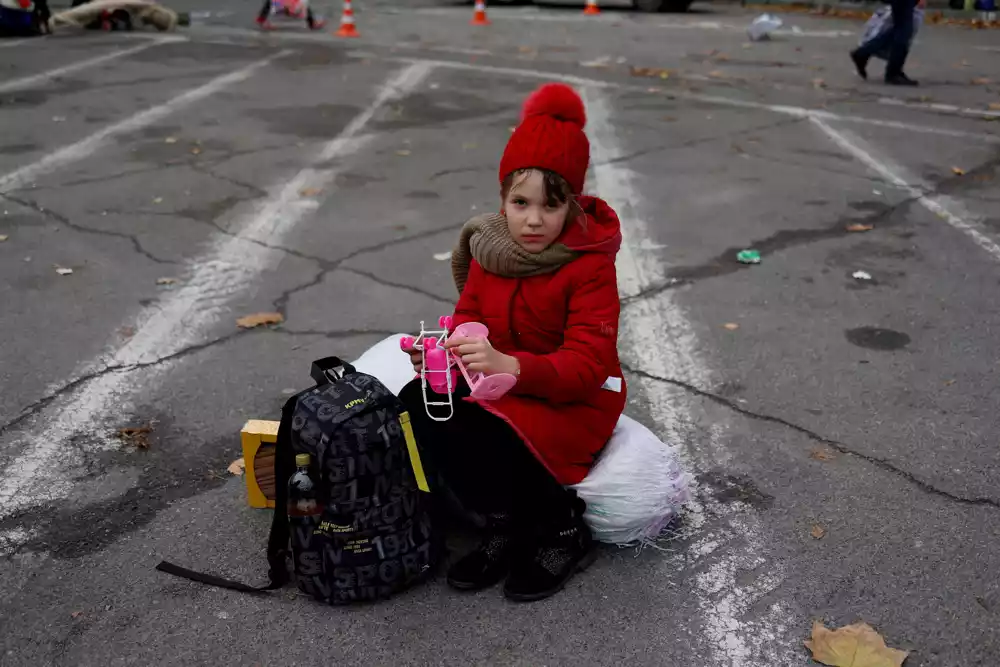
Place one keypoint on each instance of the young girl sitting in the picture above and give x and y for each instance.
(541, 277)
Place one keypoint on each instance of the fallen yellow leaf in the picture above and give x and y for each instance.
(310, 192)
(237, 467)
(157, 200)
(732, 326)
(859, 227)
(3, 237)
(650, 72)
(258, 319)
(856, 645)
(821, 455)
(166, 281)
(195, 151)
(170, 140)
(717, 74)
(135, 435)
(403, 153)
(981, 81)
(958, 171)
(818, 532)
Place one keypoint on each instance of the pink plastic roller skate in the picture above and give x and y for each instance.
(441, 367)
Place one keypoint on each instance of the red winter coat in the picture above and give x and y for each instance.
(563, 328)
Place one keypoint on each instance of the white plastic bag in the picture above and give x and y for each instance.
(633, 491)
(762, 27)
(636, 487)
(387, 362)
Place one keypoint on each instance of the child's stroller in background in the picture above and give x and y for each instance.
(24, 18)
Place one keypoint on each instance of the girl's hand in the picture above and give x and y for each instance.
(416, 358)
(480, 357)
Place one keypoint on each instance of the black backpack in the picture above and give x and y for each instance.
(375, 535)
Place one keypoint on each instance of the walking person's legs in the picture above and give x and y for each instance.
(264, 15)
(902, 34)
(896, 41)
(312, 21)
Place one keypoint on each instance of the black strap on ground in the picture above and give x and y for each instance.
(278, 540)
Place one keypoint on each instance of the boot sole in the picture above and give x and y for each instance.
(584, 563)
(469, 587)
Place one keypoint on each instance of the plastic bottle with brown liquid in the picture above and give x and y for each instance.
(304, 512)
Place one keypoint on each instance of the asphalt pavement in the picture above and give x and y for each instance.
(836, 402)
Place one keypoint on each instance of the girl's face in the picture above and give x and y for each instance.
(534, 219)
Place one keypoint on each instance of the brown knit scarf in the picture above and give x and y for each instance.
(486, 239)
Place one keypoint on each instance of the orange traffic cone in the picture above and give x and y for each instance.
(347, 28)
(591, 9)
(479, 16)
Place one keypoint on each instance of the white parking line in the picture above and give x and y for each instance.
(658, 337)
(788, 110)
(940, 108)
(89, 145)
(231, 266)
(576, 80)
(45, 77)
(946, 208)
(8, 43)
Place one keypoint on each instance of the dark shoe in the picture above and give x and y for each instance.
(489, 562)
(542, 572)
(900, 80)
(860, 64)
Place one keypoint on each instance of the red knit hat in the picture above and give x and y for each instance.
(550, 136)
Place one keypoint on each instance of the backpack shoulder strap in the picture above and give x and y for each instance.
(278, 540)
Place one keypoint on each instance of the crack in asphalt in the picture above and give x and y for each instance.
(38, 405)
(403, 286)
(840, 447)
(208, 170)
(63, 220)
(696, 141)
(280, 303)
(725, 263)
(336, 334)
(41, 403)
(195, 163)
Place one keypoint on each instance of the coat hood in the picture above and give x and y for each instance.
(602, 232)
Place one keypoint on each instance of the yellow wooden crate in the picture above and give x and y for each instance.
(259, 437)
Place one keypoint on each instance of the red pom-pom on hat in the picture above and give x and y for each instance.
(558, 101)
(550, 136)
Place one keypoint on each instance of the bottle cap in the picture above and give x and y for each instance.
(301, 459)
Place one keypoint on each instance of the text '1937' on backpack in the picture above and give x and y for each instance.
(374, 536)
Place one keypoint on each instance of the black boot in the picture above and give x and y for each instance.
(900, 80)
(561, 550)
(489, 562)
(860, 64)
